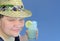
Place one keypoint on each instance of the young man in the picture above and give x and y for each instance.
(12, 14)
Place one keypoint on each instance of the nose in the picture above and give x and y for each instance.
(17, 23)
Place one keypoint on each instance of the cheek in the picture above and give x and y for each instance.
(22, 24)
(7, 26)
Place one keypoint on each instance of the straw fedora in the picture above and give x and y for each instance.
(13, 8)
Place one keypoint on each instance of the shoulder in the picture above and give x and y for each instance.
(1, 39)
(24, 38)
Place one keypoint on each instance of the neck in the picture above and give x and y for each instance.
(5, 36)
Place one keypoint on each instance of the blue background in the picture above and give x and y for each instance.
(47, 14)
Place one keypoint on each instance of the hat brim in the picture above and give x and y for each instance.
(25, 13)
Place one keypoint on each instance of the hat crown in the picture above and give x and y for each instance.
(13, 8)
(11, 2)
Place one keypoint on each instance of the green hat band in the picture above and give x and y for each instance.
(10, 7)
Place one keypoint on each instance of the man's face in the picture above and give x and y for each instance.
(12, 26)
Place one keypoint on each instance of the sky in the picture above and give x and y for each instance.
(47, 14)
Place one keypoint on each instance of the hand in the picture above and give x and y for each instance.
(25, 37)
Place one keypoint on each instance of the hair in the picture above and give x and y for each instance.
(1, 16)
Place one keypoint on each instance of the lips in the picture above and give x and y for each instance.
(16, 29)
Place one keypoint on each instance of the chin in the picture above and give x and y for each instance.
(15, 35)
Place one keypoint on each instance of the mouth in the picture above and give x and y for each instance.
(16, 29)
